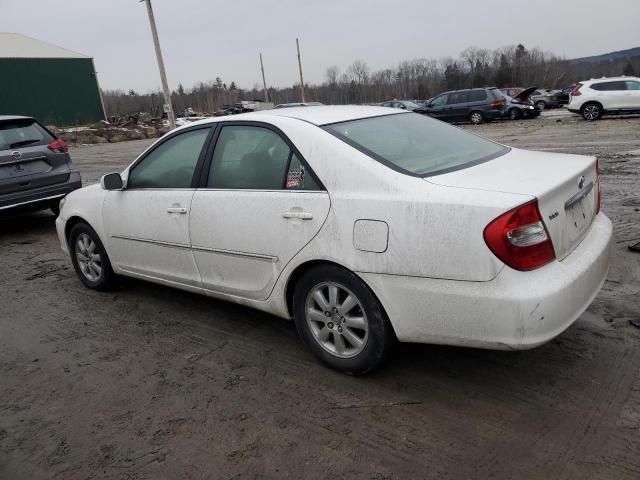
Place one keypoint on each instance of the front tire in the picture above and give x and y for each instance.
(476, 118)
(89, 258)
(541, 105)
(591, 111)
(341, 321)
(514, 114)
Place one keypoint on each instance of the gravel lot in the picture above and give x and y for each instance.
(153, 383)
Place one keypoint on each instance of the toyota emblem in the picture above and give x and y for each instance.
(581, 182)
(16, 155)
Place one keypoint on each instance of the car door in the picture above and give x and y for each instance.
(632, 94)
(147, 223)
(437, 106)
(259, 205)
(613, 94)
(457, 108)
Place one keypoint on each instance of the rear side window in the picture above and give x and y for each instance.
(459, 97)
(22, 133)
(415, 144)
(609, 86)
(477, 95)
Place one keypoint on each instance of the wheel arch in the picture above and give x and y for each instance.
(304, 267)
(72, 222)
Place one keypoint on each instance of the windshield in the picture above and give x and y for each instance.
(416, 144)
(411, 105)
(21, 133)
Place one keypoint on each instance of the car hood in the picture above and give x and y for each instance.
(525, 94)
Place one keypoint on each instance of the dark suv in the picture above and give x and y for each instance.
(474, 105)
(35, 168)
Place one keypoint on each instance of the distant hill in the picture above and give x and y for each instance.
(631, 53)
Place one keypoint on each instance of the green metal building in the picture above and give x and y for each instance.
(54, 85)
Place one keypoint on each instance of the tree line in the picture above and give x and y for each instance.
(412, 79)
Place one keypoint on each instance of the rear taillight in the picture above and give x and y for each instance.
(598, 189)
(520, 239)
(58, 146)
(576, 91)
(498, 103)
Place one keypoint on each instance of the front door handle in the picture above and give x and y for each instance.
(300, 215)
(176, 210)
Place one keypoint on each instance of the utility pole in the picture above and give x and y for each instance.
(163, 76)
(300, 67)
(264, 81)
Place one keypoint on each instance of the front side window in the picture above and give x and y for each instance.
(256, 158)
(172, 164)
(440, 101)
(416, 144)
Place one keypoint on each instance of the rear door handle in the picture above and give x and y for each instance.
(300, 215)
(176, 210)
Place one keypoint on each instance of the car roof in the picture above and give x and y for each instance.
(320, 115)
(14, 117)
(610, 79)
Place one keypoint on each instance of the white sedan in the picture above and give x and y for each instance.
(366, 225)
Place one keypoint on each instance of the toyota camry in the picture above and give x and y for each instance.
(365, 225)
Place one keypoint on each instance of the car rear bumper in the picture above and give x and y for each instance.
(36, 196)
(516, 310)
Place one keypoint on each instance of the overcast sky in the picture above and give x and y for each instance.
(203, 39)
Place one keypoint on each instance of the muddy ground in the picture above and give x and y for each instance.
(153, 383)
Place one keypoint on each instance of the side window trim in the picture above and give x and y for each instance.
(199, 163)
(208, 162)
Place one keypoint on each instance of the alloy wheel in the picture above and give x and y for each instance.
(476, 118)
(88, 257)
(591, 112)
(336, 319)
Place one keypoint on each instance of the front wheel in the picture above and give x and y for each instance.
(89, 258)
(341, 321)
(476, 118)
(514, 114)
(541, 105)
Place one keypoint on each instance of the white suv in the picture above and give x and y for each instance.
(594, 98)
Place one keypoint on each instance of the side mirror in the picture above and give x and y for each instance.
(111, 181)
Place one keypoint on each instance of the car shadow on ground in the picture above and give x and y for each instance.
(410, 372)
(16, 222)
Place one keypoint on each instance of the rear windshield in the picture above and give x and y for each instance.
(22, 133)
(416, 144)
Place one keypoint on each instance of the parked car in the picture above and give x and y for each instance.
(364, 224)
(36, 170)
(401, 104)
(475, 105)
(544, 98)
(594, 98)
(521, 106)
(564, 95)
(298, 104)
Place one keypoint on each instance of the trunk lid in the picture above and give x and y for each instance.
(565, 186)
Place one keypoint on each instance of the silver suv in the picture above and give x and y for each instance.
(35, 168)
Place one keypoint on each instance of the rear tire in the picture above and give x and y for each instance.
(90, 259)
(514, 114)
(341, 321)
(591, 111)
(476, 117)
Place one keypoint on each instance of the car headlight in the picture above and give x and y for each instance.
(61, 204)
